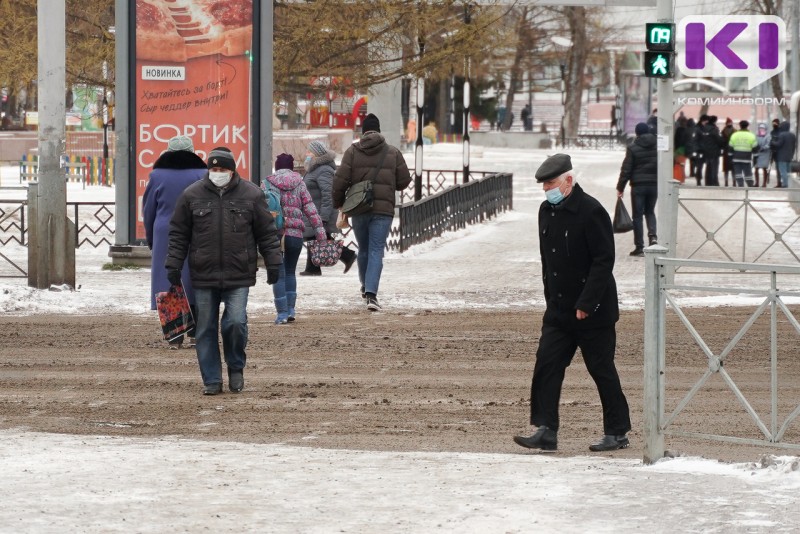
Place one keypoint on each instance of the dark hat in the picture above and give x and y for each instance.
(728, 121)
(776, 121)
(553, 167)
(284, 161)
(743, 125)
(317, 148)
(712, 119)
(221, 157)
(703, 117)
(642, 129)
(370, 124)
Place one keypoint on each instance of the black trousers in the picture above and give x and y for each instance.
(712, 170)
(557, 347)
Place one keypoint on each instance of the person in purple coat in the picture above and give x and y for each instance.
(174, 171)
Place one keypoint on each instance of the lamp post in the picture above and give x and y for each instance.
(563, 101)
(466, 96)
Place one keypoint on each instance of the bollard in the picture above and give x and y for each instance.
(653, 356)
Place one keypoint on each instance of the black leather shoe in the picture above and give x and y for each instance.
(544, 439)
(610, 443)
(235, 380)
(212, 389)
(637, 252)
(653, 240)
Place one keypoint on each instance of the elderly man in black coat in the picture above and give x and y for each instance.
(576, 243)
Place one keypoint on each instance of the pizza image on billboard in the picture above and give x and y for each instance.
(178, 30)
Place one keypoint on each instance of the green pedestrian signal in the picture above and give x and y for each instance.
(659, 64)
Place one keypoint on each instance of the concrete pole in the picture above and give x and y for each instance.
(52, 258)
(266, 88)
(125, 213)
(667, 215)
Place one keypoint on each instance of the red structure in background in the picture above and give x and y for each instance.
(340, 107)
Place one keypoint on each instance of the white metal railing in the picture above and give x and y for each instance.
(660, 296)
(753, 225)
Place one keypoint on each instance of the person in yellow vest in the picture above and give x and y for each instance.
(429, 133)
(742, 143)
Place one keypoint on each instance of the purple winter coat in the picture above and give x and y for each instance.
(172, 173)
(296, 201)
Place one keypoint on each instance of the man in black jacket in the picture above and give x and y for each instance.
(640, 168)
(711, 144)
(222, 222)
(576, 244)
(783, 145)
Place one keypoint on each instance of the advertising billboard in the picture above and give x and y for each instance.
(193, 76)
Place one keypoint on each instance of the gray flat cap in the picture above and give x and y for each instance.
(553, 167)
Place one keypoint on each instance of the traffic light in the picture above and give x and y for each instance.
(659, 60)
(659, 64)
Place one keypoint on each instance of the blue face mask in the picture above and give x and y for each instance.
(554, 196)
(308, 161)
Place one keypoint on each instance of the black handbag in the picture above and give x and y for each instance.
(358, 198)
(622, 220)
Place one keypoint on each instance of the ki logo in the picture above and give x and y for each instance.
(751, 46)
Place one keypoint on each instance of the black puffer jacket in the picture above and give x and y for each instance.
(784, 144)
(358, 162)
(576, 244)
(711, 141)
(640, 166)
(222, 231)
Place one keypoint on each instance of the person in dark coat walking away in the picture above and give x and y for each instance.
(371, 228)
(576, 244)
(711, 145)
(175, 170)
(784, 146)
(776, 131)
(640, 168)
(693, 151)
(221, 223)
(763, 155)
(320, 167)
(296, 202)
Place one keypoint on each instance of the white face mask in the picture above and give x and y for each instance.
(219, 178)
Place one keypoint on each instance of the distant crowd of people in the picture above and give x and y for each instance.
(746, 158)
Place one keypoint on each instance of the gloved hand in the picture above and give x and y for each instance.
(174, 277)
(273, 273)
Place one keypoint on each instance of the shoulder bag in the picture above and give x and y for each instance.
(358, 198)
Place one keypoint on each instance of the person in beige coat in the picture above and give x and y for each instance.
(372, 228)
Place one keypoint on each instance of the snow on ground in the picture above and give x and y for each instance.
(56, 483)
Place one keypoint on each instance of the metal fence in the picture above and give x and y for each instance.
(753, 225)
(453, 209)
(434, 181)
(94, 224)
(769, 285)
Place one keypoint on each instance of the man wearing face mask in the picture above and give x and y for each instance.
(576, 243)
(222, 222)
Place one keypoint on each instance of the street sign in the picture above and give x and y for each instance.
(659, 64)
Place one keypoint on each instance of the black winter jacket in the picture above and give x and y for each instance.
(222, 232)
(711, 142)
(357, 165)
(784, 145)
(640, 166)
(576, 244)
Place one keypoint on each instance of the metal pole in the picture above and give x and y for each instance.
(52, 267)
(667, 212)
(651, 420)
(465, 127)
(265, 90)
(796, 47)
(124, 219)
(563, 67)
(420, 119)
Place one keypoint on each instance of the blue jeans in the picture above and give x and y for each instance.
(371, 232)
(292, 246)
(234, 330)
(643, 198)
(783, 172)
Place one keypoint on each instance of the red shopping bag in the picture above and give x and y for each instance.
(174, 312)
